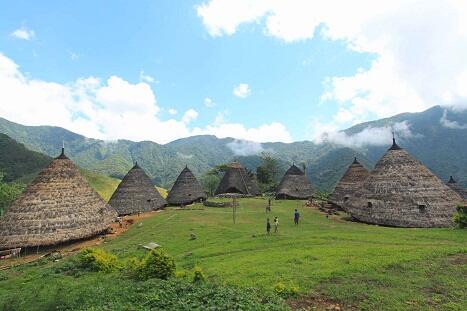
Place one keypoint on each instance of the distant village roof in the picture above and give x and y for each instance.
(402, 192)
(294, 185)
(136, 193)
(457, 188)
(58, 206)
(349, 183)
(186, 189)
(236, 180)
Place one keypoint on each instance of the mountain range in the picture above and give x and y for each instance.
(437, 137)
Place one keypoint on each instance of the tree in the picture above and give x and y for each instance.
(210, 181)
(8, 193)
(267, 172)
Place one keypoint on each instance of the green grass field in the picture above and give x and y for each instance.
(364, 266)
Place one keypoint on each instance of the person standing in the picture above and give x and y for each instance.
(296, 217)
(276, 224)
(268, 226)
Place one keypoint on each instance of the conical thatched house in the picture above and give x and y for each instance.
(136, 194)
(58, 206)
(350, 181)
(236, 180)
(402, 192)
(186, 189)
(294, 185)
(457, 188)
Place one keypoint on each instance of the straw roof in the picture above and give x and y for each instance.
(402, 192)
(236, 180)
(136, 194)
(186, 189)
(350, 181)
(456, 187)
(294, 185)
(58, 206)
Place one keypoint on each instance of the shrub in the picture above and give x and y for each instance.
(97, 259)
(460, 218)
(199, 275)
(285, 292)
(157, 264)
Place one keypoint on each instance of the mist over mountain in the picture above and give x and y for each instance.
(437, 137)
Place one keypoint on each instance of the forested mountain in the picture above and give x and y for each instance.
(437, 137)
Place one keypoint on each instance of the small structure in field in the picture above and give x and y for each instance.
(457, 188)
(186, 189)
(236, 180)
(58, 206)
(350, 181)
(402, 192)
(136, 194)
(294, 185)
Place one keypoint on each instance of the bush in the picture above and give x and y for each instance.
(460, 218)
(199, 275)
(285, 292)
(97, 259)
(157, 264)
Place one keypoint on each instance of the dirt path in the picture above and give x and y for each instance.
(71, 248)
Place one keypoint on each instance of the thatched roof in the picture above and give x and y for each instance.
(457, 188)
(136, 193)
(350, 181)
(236, 180)
(58, 206)
(294, 185)
(186, 189)
(402, 192)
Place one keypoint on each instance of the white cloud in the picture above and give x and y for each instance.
(146, 78)
(451, 124)
(245, 147)
(208, 102)
(23, 33)
(108, 109)
(172, 111)
(419, 48)
(375, 136)
(242, 90)
(189, 116)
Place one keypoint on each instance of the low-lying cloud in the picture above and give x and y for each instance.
(370, 136)
(451, 124)
(245, 147)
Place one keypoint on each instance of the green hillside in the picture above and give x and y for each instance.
(442, 149)
(353, 265)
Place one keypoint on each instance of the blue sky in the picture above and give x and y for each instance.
(305, 77)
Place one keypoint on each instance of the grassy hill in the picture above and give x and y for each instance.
(351, 264)
(442, 149)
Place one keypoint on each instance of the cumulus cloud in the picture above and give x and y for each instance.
(23, 33)
(108, 109)
(146, 78)
(172, 111)
(451, 124)
(245, 147)
(242, 90)
(208, 102)
(419, 48)
(374, 136)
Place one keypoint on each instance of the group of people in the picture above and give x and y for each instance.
(296, 218)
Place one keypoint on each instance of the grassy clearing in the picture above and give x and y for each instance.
(368, 267)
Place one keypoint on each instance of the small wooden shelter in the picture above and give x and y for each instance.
(349, 183)
(186, 189)
(294, 185)
(236, 180)
(136, 194)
